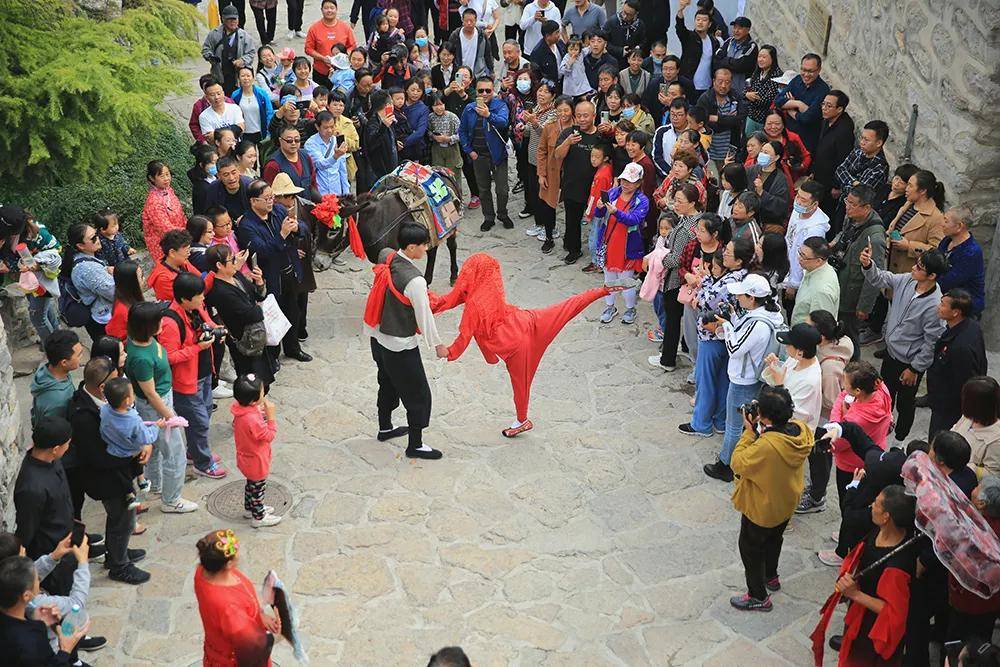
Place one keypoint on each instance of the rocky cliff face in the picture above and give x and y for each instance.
(12, 446)
(100, 8)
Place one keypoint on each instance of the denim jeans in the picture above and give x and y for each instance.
(659, 310)
(712, 382)
(196, 408)
(43, 315)
(165, 469)
(737, 395)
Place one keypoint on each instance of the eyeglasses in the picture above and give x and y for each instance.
(268, 198)
(828, 105)
(228, 223)
(803, 70)
(484, 91)
(806, 258)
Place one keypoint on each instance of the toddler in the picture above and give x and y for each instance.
(573, 71)
(126, 434)
(254, 429)
(401, 128)
(114, 247)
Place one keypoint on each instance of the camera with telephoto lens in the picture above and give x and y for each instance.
(750, 409)
(836, 260)
(207, 331)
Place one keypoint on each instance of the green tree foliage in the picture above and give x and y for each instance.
(121, 187)
(78, 94)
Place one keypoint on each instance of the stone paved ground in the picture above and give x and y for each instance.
(593, 540)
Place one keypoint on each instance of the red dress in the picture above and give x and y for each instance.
(502, 331)
(234, 628)
(615, 238)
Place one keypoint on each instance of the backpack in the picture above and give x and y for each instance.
(73, 310)
(772, 347)
(172, 314)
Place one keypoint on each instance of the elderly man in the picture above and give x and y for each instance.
(573, 147)
(510, 64)
(228, 48)
(965, 258)
(482, 133)
(292, 160)
(725, 116)
(534, 17)
(738, 54)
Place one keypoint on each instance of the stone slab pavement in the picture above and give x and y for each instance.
(593, 540)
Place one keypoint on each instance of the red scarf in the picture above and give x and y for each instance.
(376, 298)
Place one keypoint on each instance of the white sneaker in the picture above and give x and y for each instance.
(267, 510)
(290, 34)
(555, 234)
(654, 361)
(227, 374)
(268, 520)
(534, 231)
(182, 506)
(299, 34)
(222, 391)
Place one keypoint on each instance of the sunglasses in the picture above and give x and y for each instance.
(484, 91)
(291, 141)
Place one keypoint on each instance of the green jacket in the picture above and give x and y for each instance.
(855, 293)
(49, 395)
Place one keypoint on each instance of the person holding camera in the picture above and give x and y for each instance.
(187, 335)
(769, 459)
(748, 335)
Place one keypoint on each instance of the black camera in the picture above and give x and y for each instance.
(750, 409)
(207, 331)
(725, 310)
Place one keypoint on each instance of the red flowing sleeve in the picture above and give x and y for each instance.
(890, 626)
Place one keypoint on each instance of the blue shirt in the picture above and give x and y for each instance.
(968, 270)
(807, 123)
(331, 172)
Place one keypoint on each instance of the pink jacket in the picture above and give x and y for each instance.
(655, 273)
(161, 213)
(253, 435)
(874, 416)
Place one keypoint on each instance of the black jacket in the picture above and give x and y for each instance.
(379, 144)
(236, 204)
(734, 124)
(833, 146)
(546, 61)
(26, 644)
(651, 99)
(42, 504)
(593, 66)
(742, 66)
(959, 354)
(199, 190)
(105, 477)
(618, 45)
(691, 48)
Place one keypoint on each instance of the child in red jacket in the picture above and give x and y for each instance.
(254, 429)
(600, 158)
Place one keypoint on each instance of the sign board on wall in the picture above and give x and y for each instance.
(817, 26)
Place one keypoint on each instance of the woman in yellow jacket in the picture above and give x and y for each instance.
(919, 225)
(769, 471)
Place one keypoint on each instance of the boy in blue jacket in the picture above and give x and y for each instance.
(124, 431)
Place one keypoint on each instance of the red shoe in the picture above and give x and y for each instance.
(513, 432)
(474, 202)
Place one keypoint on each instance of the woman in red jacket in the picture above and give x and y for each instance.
(162, 211)
(237, 631)
(797, 156)
(128, 291)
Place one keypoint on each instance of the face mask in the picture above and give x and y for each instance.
(658, 62)
(428, 91)
(212, 170)
(848, 398)
(763, 159)
(800, 208)
(523, 87)
(421, 41)
(628, 113)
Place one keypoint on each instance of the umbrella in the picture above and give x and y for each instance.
(962, 539)
(275, 595)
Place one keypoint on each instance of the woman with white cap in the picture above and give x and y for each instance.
(625, 207)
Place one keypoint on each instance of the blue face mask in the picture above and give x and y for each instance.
(763, 159)
(799, 208)
(421, 41)
(428, 91)
(523, 87)
(212, 169)
(628, 113)
(657, 62)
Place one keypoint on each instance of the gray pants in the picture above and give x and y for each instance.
(486, 174)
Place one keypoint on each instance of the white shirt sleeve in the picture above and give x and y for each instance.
(416, 292)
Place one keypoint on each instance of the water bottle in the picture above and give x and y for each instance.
(74, 620)
(24, 254)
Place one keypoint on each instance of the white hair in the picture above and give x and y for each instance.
(989, 495)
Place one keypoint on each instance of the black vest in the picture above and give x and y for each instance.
(398, 319)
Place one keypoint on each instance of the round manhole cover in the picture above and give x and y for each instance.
(226, 502)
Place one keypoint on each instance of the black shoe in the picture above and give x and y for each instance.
(836, 641)
(133, 556)
(572, 257)
(507, 224)
(719, 470)
(432, 455)
(95, 539)
(215, 406)
(922, 401)
(525, 214)
(382, 436)
(451, 281)
(486, 226)
(96, 554)
(547, 246)
(90, 644)
(518, 188)
(879, 354)
(300, 356)
(129, 574)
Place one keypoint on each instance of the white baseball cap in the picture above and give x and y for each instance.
(632, 173)
(753, 285)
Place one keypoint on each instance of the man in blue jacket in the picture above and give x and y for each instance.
(272, 237)
(802, 98)
(483, 134)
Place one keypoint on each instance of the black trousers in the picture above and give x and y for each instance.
(266, 20)
(240, 6)
(60, 580)
(928, 598)
(303, 314)
(289, 303)
(75, 477)
(760, 549)
(942, 420)
(672, 332)
(574, 215)
(819, 473)
(117, 532)
(432, 259)
(469, 171)
(903, 396)
(94, 330)
(545, 216)
(294, 14)
(401, 378)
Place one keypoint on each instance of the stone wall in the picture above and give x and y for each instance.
(11, 449)
(890, 54)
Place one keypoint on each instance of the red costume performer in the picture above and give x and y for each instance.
(507, 332)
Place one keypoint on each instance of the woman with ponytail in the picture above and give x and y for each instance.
(919, 225)
(834, 353)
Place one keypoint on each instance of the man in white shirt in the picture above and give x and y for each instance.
(807, 220)
(535, 14)
(800, 373)
(394, 326)
(218, 113)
